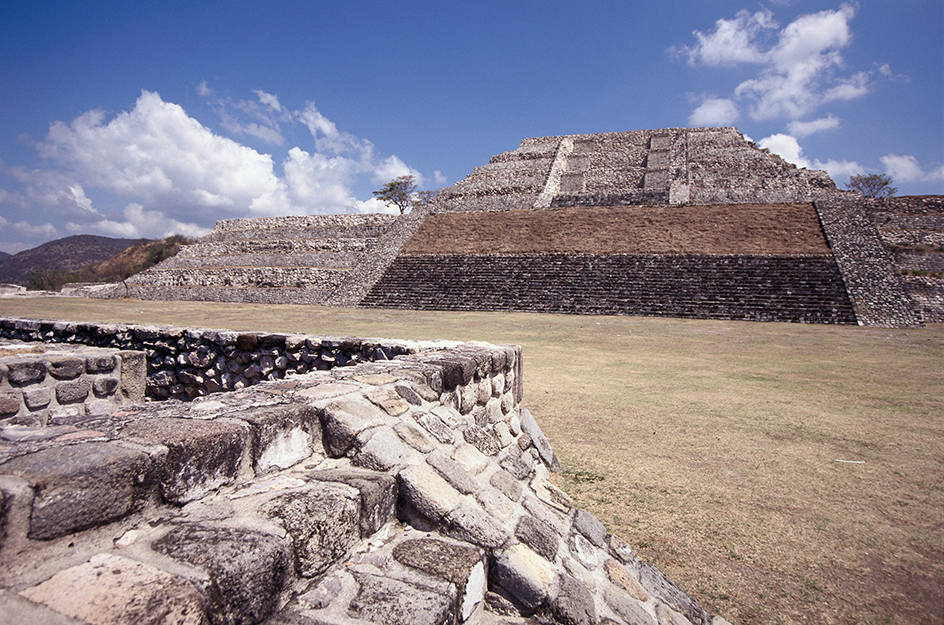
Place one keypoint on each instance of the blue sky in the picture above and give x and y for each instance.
(142, 119)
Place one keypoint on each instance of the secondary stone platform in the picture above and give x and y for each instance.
(415, 490)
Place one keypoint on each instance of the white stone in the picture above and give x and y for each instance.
(427, 492)
(286, 449)
(470, 458)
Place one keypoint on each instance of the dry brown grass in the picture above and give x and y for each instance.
(713, 447)
(722, 229)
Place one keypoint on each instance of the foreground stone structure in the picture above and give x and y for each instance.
(413, 490)
(350, 260)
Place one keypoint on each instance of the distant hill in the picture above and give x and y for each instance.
(85, 258)
(4, 255)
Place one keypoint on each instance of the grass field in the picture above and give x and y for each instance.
(779, 473)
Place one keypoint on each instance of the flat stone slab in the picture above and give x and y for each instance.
(113, 589)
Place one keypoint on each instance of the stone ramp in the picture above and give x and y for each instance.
(290, 260)
(415, 490)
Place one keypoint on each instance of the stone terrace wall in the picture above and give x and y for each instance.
(184, 363)
(281, 260)
(665, 166)
(912, 228)
(751, 288)
(868, 269)
(38, 388)
(407, 491)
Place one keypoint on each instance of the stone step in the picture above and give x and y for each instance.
(805, 289)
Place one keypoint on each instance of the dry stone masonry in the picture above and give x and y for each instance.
(412, 490)
(285, 260)
(41, 386)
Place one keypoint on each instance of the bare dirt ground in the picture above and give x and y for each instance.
(780, 473)
(769, 229)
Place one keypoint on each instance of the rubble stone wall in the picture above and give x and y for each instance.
(414, 490)
(184, 363)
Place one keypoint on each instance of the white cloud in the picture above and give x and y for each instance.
(269, 100)
(799, 63)
(908, 169)
(804, 129)
(392, 167)
(714, 112)
(839, 171)
(46, 230)
(732, 41)
(158, 155)
(787, 147)
(140, 223)
(154, 170)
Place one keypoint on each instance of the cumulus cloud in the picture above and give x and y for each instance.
(804, 129)
(800, 64)
(908, 169)
(154, 170)
(714, 112)
(789, 149)
(731, 42)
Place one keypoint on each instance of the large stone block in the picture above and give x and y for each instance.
(524, 575)
(73, 392)
(427, 492)
(655, 581)
(540, 442)
(323, 521)
(345, 419)
(384, 450)
(573, 604)
(538, 535)
(65, 367)
(28, 372)
(378, 493)
(113, 589)
(283, 435)
(201, 456)
(80, 486)
(394, 602)
(470, 523)
(462, 565)
(247, 570)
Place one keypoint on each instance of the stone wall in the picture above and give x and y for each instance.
(412, 491)
(751, 288)
(280, 260)
(868, 269)
(912, 228)
(53, 385)
(184, 363)
(665, 166)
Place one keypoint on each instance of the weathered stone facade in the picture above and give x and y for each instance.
(414, 490)
(667, 166)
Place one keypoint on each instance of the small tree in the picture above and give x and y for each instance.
(398, 192)
(872, 185)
